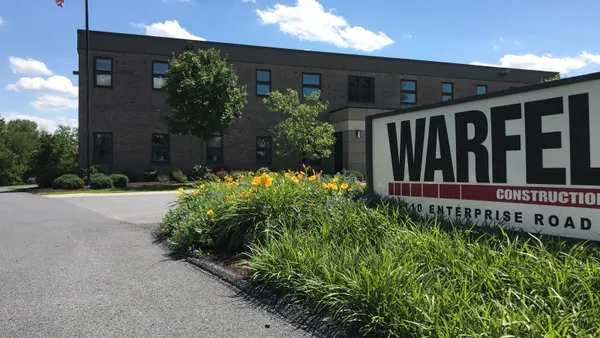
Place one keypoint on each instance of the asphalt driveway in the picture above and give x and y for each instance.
(87, 267)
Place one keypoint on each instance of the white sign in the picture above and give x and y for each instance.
(527, 158)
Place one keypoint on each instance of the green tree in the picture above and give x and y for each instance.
(302, 133)
(18, 141)
(56, 155)
(553, 78)
(203, 93)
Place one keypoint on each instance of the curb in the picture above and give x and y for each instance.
(220, 272)
(174, 192)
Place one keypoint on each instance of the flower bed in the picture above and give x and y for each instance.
(386, 270)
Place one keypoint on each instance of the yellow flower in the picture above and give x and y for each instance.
(218, 180)
(202, 186)
(230, 197)
(275, 174)
(210, 212)
(349, 189)
(276, 188)
(325, 185)
(344, 186)
(180, 189)
(229, 178)
(196, 192)
(287, 175)
(333, 186)
(312, 178)
(236, 183)
(295, 180)
(251, 190)
(179, 194)
(335, 180)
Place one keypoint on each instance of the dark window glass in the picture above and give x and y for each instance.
(103, 72)
(103, 148)
(361, 89)
(481, 89)
(447, 91)
(408, 91)
(214, 150)
(311, 83)
(263, 82)
(263, 150)
(159, 74)
(161, 148)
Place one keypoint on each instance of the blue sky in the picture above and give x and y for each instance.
(38, 39)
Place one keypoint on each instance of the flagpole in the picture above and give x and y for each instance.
(87, 90)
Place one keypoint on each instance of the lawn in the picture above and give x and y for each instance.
(132, 187)
(373, 264)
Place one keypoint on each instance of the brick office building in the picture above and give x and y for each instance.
(126, 102)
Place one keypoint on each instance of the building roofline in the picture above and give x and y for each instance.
(519, 90)
(144, 44)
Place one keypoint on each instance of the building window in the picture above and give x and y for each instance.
(263, 82)
(311, 83)
(159, 74)
(361, 89)
(103, 148)
(481, 89)
(214, 150)
(447, 91)
(161, 148)
(103, 72)
(263, 150)
(408, 91)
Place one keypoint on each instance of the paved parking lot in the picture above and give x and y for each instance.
(87, 267)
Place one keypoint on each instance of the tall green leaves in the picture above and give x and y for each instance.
(302, 133)
(203, 93)
(18, 140)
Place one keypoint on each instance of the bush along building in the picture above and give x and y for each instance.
(127, 133)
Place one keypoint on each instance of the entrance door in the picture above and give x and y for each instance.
(338, 152)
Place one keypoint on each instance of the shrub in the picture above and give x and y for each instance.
(101, 181)
(68, 181)
(221, 173)
(131, 175)
(263, 170)
(211, 177)
(119, 180)
(45, 178)
(178, 176)
(151, 175)
(163, 178)
(356, 174)
(200, 171)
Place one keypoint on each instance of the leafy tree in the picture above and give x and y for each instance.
(203, 93)
(18, 141)
(56, 156)
(301, 134)
(553, 78)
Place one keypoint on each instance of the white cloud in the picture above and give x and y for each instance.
(546, 62)
(169, 29)
(53, 84)
(28, 66)
(53, 103)
(495, 47)
(48, 124)
(309, 21)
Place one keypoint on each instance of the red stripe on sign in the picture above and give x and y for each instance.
(451, 191)
(391, 189)
(430, 190)
(416, 189)
(405, 189)
(398, 189)
(565, 197)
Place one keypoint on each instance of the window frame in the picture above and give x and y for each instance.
(408, 91)
(372, 89)
(311, 85)
(257, 82)
(155, 148)
(222, 155)
(104, 72)
(270, 156)
(155, 75)
(483, 86)
(451, 93)
(95, 147)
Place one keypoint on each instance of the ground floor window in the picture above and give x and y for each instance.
(103, 148)
(214, 150)
(161, 148)
(263, 150)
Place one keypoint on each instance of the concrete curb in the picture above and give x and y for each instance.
(220, 272)
(174, 192)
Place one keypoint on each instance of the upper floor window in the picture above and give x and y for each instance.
(408, 91)
(159, 74)
(161, 148)
(263, 150)
(481, 89)
(103, 69)
(214, 150)
(447, 91)
(311, 83)
(361, 89)
(103, 148)
(263, 82)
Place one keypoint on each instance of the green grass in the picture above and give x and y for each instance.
(393, 273)
(145, 188)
